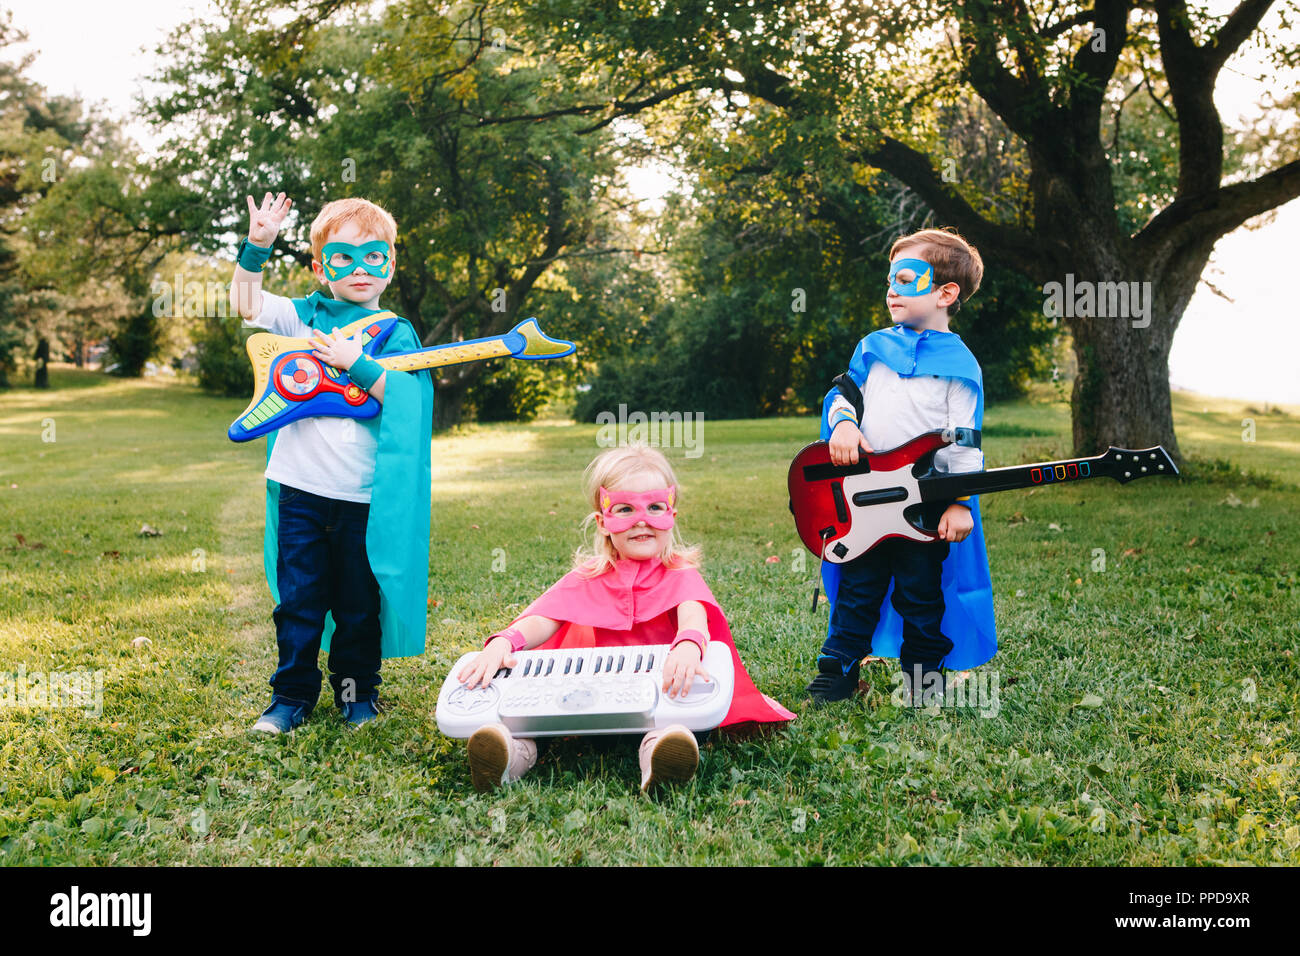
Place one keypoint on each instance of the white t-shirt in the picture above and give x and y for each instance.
(328, 456)
(899, 408)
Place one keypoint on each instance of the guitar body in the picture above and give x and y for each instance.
(843, 511)
(886, 485)
(289, 383)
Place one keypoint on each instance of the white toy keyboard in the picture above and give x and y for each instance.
(590, 690)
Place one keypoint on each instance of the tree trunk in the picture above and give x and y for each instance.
(42, 364)
(1121, 394)
(448, 403)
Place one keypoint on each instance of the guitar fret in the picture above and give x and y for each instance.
(439, 356)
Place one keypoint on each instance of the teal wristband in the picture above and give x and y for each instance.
(252, 257)
(365, 371)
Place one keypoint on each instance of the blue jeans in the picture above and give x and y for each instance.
(322, 566)
(916, 568)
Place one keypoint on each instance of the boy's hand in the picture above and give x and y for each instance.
(480, 671)
(681, 669)
(339, 352)
(264, 222)
(956, 523)
(845, 441)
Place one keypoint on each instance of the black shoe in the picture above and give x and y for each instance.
(832, 683)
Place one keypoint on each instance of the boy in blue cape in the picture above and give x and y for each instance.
(928, 603)
(346, 547)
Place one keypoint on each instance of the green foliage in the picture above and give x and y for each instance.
(776, 278)
(388, 108)
(223, 365)
(134, 343)
(513, 391)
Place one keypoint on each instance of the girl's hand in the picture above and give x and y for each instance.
(264, 221)
(480, 671)
(845, 442)
(339, 352)
(682, 667)
(956, 523)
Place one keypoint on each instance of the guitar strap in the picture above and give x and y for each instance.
(845, 385)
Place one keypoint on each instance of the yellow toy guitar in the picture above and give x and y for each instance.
(290, 383)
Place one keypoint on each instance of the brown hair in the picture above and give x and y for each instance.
(367, 216)
(954, 260)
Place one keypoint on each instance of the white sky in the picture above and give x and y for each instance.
(94, 49)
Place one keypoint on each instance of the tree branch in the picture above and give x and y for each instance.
(1219, 212)
(617, 107)
(913, 168)
(1024, 107)
(1241, 23)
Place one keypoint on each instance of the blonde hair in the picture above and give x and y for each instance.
(954, 260)
(368, 217)
(613, 469)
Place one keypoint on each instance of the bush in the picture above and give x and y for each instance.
(512, 391)
(134, 343)
(223, 364)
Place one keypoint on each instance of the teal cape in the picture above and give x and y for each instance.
(967, 588)
(397, 532)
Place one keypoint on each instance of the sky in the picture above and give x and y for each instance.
(1246, 348)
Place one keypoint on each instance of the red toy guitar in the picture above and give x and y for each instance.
(844, 511)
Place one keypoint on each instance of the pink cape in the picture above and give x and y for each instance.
(635, 602)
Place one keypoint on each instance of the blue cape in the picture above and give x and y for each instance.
(397, 532)
(967, 589)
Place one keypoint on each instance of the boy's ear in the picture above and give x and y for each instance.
(319, 270)
(949, 293)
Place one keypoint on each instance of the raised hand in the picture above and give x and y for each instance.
(264, 221)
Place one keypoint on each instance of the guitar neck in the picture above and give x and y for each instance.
(440, 356)
(1122, 464)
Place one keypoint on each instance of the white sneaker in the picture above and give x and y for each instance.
(496, 757)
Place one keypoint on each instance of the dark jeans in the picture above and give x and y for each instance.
(322, 566)
(916, 568)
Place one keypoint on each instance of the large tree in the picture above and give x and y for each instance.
(871, 83)
(333, 102)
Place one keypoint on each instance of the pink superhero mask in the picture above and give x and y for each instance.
(655, 508)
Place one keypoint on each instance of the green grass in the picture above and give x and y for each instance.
(1147, 711)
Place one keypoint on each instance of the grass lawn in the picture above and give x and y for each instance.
(1146, 712)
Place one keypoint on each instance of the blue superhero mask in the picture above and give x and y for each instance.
(923, 277)
(341, 259)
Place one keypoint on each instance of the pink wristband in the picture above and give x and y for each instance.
(512, 634)
(698, 638)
